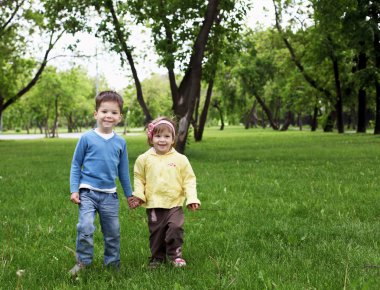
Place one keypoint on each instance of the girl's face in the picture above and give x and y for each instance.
(107, 116)
(163, 141)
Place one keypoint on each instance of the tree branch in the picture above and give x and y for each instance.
(38, 73)
(296, 61)
(18, 5)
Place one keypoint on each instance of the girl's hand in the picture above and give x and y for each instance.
(75, 198)
(134, 202)
(193, 206)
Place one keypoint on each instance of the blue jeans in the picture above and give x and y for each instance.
(107, 205)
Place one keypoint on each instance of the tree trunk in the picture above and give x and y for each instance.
(189, 89)
(267, 112)
(251, 119)
(299, 121)
(353, 115)
(54, 129)
(70, 123)
(47, 122)
(128, 53)
(216, 106)
(376, 42)
(125, 122)
(329, 126)
(202, 120)
(288, 120)
(314, 122)
(339, 102)
(362, 97)
(1, 112)
(377, 114)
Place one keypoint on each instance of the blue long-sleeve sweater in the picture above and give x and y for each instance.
(98, 162)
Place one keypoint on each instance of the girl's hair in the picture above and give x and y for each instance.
(158, 125)
(109, 96)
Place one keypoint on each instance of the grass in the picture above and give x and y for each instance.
(280, 210)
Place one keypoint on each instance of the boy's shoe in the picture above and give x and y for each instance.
(179, 263)
(154, 263)
(76, 269)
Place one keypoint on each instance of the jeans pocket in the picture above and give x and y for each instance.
(114, 195)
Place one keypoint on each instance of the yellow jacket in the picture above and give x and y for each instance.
(164, 181)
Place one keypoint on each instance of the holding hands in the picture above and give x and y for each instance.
(134, 202)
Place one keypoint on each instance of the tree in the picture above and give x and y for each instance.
(306, 74)
(20, 21)
(181, 33)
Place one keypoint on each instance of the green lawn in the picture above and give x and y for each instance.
(280, 210)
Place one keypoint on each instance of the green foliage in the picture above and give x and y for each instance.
(157, 97)
(289, 210)
(74, 92)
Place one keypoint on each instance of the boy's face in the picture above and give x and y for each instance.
(163, 141)
(107, 116)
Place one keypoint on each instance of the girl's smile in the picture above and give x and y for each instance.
(163, 141)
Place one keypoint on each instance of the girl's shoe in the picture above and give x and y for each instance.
(179, 263)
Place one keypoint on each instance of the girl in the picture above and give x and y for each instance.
(163, 179)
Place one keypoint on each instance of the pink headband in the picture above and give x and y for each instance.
(152, 125)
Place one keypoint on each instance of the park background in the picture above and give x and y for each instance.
(280, 121)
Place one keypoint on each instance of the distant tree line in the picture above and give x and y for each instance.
(317, 66)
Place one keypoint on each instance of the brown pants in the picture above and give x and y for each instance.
(166, 232)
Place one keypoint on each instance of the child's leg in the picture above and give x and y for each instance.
(109, 221)
(157, 229)
(174, 233)
(85, 227)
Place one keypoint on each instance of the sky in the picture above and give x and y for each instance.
(103, 62)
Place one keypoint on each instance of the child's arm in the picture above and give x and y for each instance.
(189, 185)
(139, 180)
(123, 169)
(75, 171)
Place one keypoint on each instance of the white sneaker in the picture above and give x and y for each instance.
(179, 263)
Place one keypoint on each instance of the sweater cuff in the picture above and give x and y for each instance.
(192, 200)
(140, 196)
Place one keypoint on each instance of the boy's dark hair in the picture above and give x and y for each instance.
(108, 96)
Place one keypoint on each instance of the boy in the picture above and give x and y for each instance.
(100, 156)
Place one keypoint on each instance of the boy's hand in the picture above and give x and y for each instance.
(75, 198)
(133, 202)
(193, 206)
